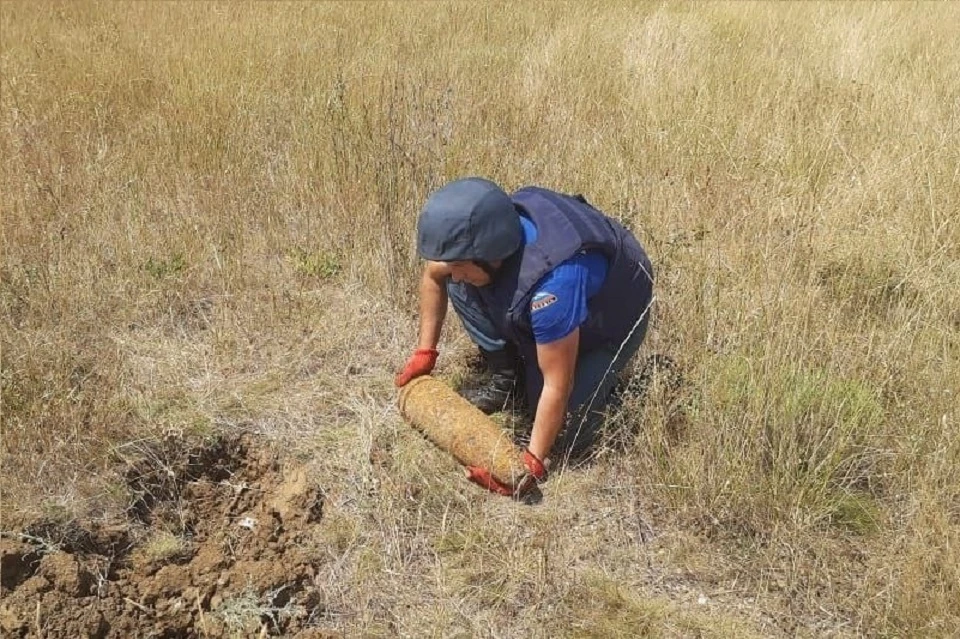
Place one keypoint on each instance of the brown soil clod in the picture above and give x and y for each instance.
(214, 545)
(18, 562)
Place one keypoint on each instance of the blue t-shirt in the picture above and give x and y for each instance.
(559, 302)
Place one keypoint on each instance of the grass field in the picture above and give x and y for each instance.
(208, 218)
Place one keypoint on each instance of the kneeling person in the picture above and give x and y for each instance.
(547, 287)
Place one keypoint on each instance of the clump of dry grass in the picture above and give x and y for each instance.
(208, 221)
(162, 546)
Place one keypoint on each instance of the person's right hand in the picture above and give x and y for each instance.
(420, 363)
(536, 473)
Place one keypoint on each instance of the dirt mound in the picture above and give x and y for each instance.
(211, 546)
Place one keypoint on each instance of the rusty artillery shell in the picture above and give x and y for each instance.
(461, 429)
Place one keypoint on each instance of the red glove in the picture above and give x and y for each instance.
(536, 473)
(420, 363)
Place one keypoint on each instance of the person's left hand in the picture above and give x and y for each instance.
(536, 473)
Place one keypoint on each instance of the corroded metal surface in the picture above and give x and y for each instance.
(456, 426)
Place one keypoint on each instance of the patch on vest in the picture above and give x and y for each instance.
(541, 301)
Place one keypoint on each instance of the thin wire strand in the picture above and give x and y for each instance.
(589, 405)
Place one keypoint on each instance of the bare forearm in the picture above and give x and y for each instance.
(557, 362)
(551, 412)
(433, 305)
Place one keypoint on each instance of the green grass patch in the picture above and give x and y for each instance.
(802, 437)
(163, 268)
(599, 606)
(318, 264)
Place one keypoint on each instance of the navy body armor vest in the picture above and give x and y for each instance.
(567, 225)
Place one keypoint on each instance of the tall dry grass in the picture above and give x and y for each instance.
(208, 215)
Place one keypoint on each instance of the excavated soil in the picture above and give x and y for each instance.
(211, 546)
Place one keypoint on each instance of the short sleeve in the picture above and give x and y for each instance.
(559, 303)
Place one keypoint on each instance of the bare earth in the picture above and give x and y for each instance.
(242, 570)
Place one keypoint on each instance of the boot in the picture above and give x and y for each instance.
(501, 388)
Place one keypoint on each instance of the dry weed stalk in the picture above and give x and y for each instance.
(211, 228)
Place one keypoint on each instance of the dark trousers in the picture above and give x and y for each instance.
(594, 379)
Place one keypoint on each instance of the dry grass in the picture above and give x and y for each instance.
(208, 216)
(164, 546)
